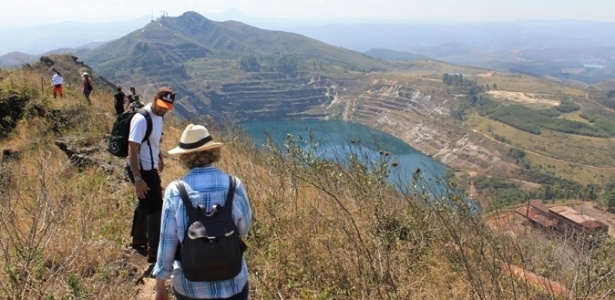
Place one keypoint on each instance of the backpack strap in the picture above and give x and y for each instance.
(148, 119)
(227, 209)
(148, 132)
(191, 210)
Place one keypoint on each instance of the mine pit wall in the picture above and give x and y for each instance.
(422, 121)
(418, 118)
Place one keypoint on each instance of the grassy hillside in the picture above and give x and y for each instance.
(322, 230)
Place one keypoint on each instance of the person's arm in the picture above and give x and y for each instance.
(138, 127)
(242, 212)
(168, 242)
(161, 290)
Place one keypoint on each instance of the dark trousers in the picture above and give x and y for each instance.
(119, 109)
(243, 295)
(87, 96)
(153, 199)
(146, 229)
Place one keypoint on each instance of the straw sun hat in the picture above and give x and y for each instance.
(195, 138)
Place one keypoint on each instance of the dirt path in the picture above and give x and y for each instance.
(144, 286)
(146, 290)
(597, 103)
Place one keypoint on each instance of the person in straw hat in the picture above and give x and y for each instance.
(207, 186)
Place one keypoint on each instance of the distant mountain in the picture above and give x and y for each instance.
(533, 47)
(16, 59)
(44, 38)
(212, 63)
(570, 50)
(487, 36)
(174, 40)
(393, 55)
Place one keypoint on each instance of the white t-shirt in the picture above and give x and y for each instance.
(57, 79)
(138, 126)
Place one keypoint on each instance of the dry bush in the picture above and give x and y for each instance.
(329, 230)
(63, 228)
(56, 238)
(335, 230)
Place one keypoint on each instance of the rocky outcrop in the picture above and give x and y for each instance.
(423, 121)
(12, 109)
(84, 156)
(296, 98)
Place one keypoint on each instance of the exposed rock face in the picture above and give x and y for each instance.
(421, 120)
(12, 109)
(83, 155)
(10, 155)
(411, 112)
(292, 98)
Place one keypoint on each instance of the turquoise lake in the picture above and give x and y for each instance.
(337, 138)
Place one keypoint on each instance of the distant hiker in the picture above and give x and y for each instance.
(134, 100)
(120, 100)
(87, 87)
(209, 189)
(144, 166)
(57, 80)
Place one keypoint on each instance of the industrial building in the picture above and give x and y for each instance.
(564, 220)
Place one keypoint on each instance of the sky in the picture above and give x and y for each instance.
(20, 13)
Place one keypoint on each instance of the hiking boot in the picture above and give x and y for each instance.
(153, 234)
(138, 244)
(139, 248)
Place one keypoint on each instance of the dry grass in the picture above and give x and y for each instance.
(322, 230)
(577, 158)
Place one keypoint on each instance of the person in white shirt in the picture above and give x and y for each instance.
(56, 82)
(145, 163)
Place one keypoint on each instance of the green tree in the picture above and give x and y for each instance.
(288, 64)
(249, 63)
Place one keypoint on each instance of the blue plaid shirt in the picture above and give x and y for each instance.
(207, 186)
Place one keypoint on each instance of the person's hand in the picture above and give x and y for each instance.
(161, 290)
(141, 188)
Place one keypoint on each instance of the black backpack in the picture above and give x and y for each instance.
(212, 249)
(118, 141)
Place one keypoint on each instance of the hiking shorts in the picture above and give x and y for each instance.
(57, 89)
